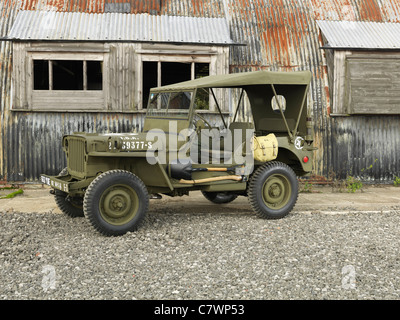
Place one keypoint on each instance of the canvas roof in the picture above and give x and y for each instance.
(241, 79)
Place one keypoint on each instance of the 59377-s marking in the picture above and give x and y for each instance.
(132, 145)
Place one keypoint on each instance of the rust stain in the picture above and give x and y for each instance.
(196, 8)
(328, 108)
(370, 10)
(284, 32)
(333, 10)
(273, 11)
(366, 10)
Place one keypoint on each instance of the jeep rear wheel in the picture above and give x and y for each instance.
(219, 197)
(273, 190)
(116, 202)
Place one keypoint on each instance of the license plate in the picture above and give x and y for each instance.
(54, 183)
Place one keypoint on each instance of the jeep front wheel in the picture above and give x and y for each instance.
(273, 190)
(116, 202)
(72, 207)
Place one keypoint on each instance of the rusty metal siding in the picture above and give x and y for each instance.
(8, 10)
(33, 140)
(357, 10)
(190, 8)
(366, 147)
(280, 35)
(283, 36)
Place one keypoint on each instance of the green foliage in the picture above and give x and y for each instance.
(202, 100)
(307, 188)
(370, 167)
(12, 194)
(353, 184)
(396, 181)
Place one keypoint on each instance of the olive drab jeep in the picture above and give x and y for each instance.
(110, 178)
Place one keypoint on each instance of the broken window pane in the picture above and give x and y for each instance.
(67, 75)
(149, 79)
(201, 70)
(94, 75)
(174, 72)
(202, 100)
(40, 75)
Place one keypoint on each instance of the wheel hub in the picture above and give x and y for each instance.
(119, 204)
(275, 191)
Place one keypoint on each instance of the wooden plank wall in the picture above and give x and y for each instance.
(365, 82)
(373, 83)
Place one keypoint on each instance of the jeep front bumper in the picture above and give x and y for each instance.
(55, 182)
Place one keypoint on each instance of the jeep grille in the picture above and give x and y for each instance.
(76, 155)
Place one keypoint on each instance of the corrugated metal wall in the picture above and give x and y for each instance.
(366, 146)
(280, 35)
(33, 140)
(8, 9)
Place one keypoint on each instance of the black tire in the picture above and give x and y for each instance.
(116, 202)
(219, 197)
(273, 190)
(71, 206)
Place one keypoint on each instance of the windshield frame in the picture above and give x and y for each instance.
(167, 112)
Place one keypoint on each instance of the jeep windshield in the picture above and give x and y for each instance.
(170, 104)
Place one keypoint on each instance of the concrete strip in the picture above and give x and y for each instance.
(373, 199)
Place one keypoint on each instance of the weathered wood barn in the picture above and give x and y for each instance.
(87, 65)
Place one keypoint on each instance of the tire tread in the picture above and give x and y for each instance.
(89, 199)
(252, 192)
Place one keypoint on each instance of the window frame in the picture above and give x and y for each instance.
(161, 60)
(216, 57)
(58, 100)
(76, 99)
(172, 113)
(340, 80)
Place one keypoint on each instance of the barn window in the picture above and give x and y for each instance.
(162, 73)
(67, 75)
(52, 77)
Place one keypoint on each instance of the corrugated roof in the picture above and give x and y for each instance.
(52, 25)
(191, 8)
(361, 34)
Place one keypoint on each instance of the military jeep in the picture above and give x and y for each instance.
(110, 178)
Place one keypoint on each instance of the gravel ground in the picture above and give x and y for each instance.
(225, 254)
